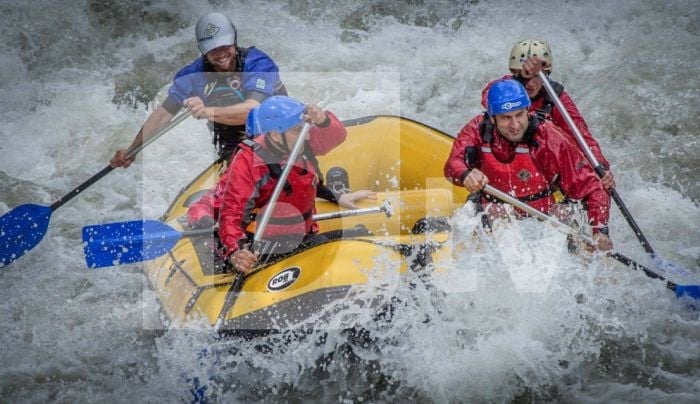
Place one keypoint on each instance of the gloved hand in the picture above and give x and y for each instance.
(206, 222)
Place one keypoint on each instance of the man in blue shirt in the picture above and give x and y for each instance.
(222, 86)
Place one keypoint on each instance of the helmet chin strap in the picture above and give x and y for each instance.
(285, 143)
(282, 146)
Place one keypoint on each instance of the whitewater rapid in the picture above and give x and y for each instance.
(515, 318)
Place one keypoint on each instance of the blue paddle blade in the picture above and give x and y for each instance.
(668, 268)
(688, 290)
(127, 242)
(21, 229)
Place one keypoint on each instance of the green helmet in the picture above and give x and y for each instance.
(214, 30)
(528, 48)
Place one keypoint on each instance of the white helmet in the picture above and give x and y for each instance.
(528, 48)
(214, 30)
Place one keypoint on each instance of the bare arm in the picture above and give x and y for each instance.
(155, 121)
(348, 200)
(230, 115)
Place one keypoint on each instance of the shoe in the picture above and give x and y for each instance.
(337, 180)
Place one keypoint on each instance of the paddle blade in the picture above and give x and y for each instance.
(127, 242)
(21, 229)
(688, 290)
(668, 268)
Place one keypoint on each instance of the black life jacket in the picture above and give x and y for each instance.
(226, 92)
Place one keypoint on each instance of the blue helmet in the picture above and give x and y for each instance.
(280, 113)
(252, 126)
(507, 96)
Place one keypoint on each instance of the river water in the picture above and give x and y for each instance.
(79, 77)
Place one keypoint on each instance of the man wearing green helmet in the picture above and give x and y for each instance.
(529, 57)
(525, 157)
(221, 86)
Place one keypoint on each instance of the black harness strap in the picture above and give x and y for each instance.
(227, 137)
(486, 129)
(548, 107)
(276, 168)
(529, 136)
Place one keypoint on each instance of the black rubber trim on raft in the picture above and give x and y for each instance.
(366, 119)
(289, 311)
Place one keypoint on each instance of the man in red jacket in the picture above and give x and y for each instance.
(527, 158)
(257, 166)
(527, 59)
(204, 212)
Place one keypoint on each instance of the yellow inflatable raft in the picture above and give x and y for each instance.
(399, 158)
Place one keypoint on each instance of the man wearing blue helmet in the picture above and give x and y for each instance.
(221, 86)
(256, 168)
(527, 58)
(205, 211)
(526, 157)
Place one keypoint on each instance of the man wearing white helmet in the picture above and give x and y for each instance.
(529, 57)
(222, 86)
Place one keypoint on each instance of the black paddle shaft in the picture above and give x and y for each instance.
(648, 272)
(80, 188)
(130, 153)
(567, 229)
(630, 220)
(231, 296)
(599, 169)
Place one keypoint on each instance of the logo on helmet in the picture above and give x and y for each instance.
(211, 30)
(510, 105)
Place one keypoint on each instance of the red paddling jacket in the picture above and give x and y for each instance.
(529, 170)
(254, 173)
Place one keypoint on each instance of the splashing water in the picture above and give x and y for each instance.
(504, 317)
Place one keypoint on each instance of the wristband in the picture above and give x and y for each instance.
(464, 175)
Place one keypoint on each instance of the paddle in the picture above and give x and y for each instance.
(600, 170)
(237, 284)
(23, 227)
(119, 243)
(681, 290)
